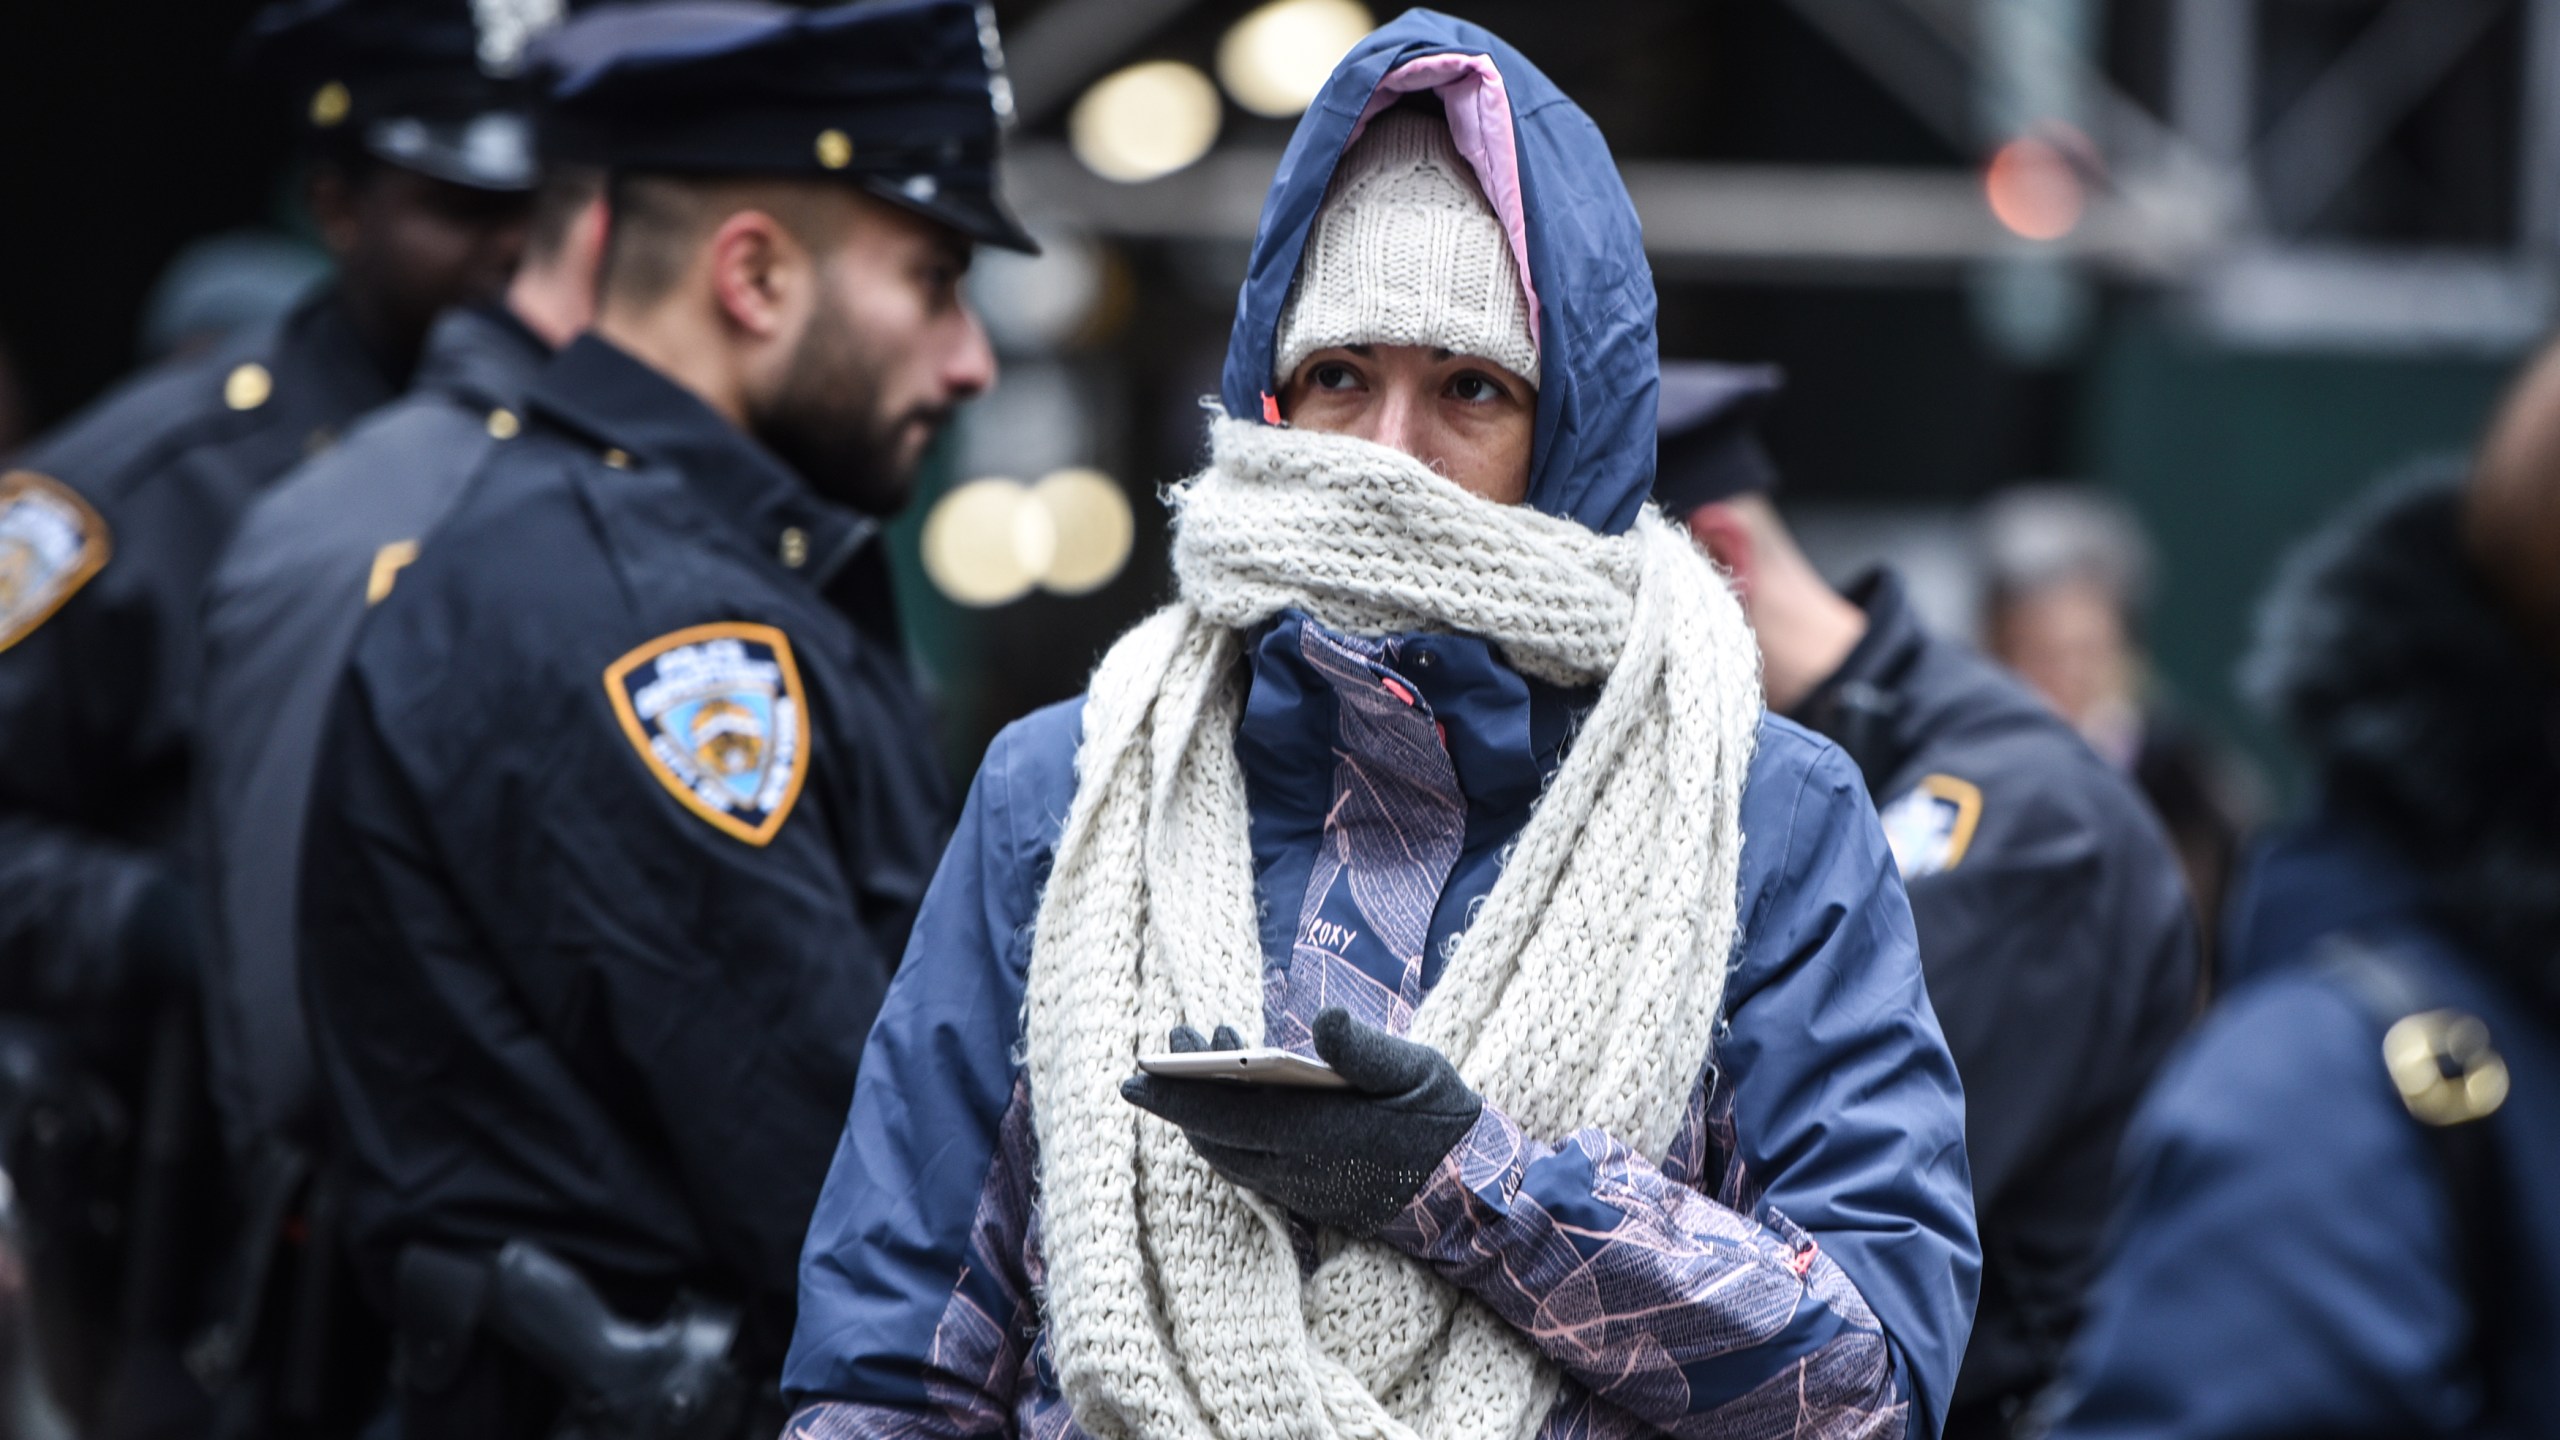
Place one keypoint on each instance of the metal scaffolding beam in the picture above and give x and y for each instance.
(1835, 222)
(2213, 77)
(2538, 158)
(1068, 44)
(2179, 202)
(2316, 146)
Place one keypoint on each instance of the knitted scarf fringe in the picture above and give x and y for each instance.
(1585, 993)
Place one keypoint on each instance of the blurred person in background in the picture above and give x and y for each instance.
(2054, 926)
(108, 526)
(2339, 1216)
(281, 612)
(2070, 573)
(110, 523)
(627, 798)
(1447, 767)
(223, 284)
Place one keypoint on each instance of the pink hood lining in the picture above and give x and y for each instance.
(1479, 109)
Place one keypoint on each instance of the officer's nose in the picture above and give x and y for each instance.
(971, 367)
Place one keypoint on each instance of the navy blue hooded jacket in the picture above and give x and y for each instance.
(1823, 1163)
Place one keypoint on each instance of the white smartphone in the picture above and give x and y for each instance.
(1261, 1065)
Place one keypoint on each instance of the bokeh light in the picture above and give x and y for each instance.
(2034, 190)
(1275, 60)
(1145, 122)
(1091, 521)
(990, 542)
(984, 544)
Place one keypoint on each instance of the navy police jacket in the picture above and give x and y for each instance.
(625, 808)
(280, 613)
(1819, 1188)
(2061, 950)
(2297, 1252)
(107, 529)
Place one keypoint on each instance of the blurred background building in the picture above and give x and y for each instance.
(2216, 261)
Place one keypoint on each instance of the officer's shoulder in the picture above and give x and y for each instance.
(513, 573)
(519, 490)
(417, 427)
(2025, 764)
(1967, 703)
(120, 439)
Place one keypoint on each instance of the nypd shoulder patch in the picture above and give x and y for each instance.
(716, 712)
(1931, 825)
(51, 542)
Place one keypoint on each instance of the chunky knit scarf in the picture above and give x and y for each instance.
(1584, 994)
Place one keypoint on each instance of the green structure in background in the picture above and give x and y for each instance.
(2232, 457)
(941, 636)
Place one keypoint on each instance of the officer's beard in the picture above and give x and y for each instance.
(827, 421)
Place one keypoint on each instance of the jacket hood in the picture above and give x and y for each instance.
(2434, 728)
(1553, 182)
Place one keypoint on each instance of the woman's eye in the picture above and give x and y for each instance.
(1335, 377)
(1474, 389)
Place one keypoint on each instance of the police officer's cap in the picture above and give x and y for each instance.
(427, 85)
(904, 99)
(1707, 445)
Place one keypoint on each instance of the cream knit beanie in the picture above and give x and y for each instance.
(1405, 251)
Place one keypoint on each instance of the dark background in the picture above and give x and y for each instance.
(127, 137)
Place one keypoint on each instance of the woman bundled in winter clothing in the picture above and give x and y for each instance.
(1448, 766)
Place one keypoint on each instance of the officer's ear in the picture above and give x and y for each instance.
(1725, 534)
(762, 277)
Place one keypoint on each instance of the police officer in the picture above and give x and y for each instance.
(280, 614)
(109, 524)
(281, 610)
(627, 799)
(418, 175)
(2338, 1216)
(2059, 943)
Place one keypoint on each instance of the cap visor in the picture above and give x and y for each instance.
(978, 214)
(489, 151)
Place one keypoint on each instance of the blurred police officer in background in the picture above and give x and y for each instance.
(2056, 934)
(418, 175)
(2069, 572)
(282, 606)
(627, 799)
(2339, 1217)
(281, 613)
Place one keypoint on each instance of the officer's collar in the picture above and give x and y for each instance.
(637, 417)
(483, 356)
(1858, 705)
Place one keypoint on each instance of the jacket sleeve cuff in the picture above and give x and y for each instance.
(1481, 1172)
